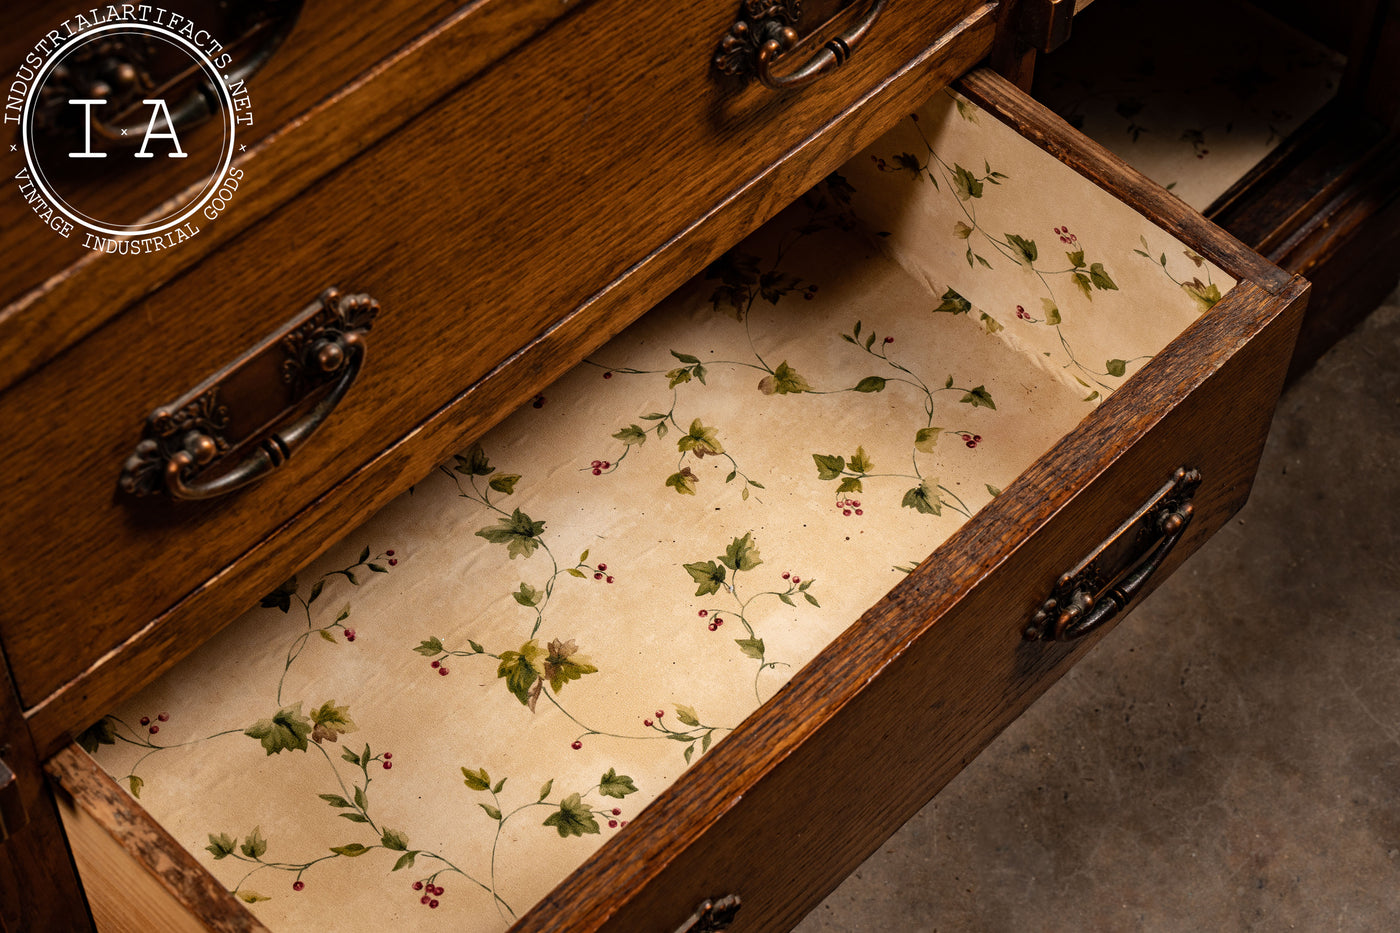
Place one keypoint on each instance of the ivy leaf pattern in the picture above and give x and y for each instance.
(521, 670)
(1026, 249)
(632, 434)
(925, 439)
(740, 555)
(102, 732)
(564, 663)
(617, 785)
(502, 483)
(700, 440)
(782, 381)
(573, 818)
(751, 647)
(709, 575)
(979, 397)
(220, 846)
(517, 532)
(287, 730)
(254, 845)
(924, 498)
(966, 184)
(829, 466)
(953, 303)
(1205, 295)
(683, 481)
(330, 722)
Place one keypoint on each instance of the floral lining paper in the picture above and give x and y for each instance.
(454, 707)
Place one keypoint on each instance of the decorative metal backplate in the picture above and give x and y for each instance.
(307, 355)
(1124, 551)
(759, 21)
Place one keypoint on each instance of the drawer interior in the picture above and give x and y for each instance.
(495, 675)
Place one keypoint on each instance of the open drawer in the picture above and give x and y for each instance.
(678, 593)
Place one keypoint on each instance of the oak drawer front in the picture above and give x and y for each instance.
(884, 714)
(307, 54)
(477, 228)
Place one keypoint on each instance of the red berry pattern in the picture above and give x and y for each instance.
(714, 627)
(847, 507)
(971, 440)
(298, 885)
(577, 745)
(431, 893)
(1022, 313)
(1067, 238)
(349, 634)
(538, 402)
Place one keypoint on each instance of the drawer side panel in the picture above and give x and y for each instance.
(841, 758)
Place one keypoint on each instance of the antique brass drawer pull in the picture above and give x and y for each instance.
(712, 916)
(325, 343)
(766, 31)
(1105, 582)
(126, 69)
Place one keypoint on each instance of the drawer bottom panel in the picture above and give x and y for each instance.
(638, 615)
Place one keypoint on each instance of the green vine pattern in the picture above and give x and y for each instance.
(968, 187)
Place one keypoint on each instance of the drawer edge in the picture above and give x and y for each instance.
(127, 860)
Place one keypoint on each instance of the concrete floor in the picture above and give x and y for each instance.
(1229, 757)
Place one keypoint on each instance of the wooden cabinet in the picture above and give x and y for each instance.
(514, 186)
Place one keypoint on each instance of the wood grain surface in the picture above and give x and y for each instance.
(374, 104)
(872, 728)
(298, 536)
(477, 227)
(138, 878)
